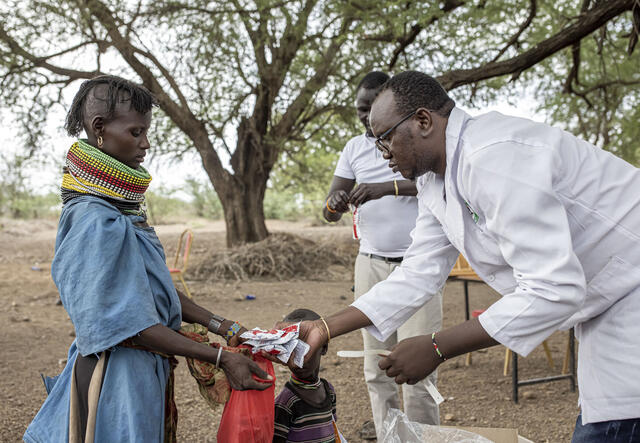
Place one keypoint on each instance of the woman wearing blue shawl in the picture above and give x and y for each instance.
(110, 270)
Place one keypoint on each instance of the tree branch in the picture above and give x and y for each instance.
(533, 8)
(41, 62)
(584, 25)
(404, 42)
(314, 83)
(575, 58)
(181, 116)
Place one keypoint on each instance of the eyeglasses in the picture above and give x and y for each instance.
(379, 141)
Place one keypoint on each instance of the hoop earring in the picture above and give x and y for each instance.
(100, 141)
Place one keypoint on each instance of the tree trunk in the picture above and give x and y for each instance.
(242, 193)
(243, 210)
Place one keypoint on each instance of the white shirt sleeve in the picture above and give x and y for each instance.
(344, 168)
(511, 185)
(424, 270)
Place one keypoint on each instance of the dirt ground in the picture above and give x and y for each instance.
(35, 334)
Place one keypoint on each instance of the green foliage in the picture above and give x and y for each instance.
(163, 208)
(16, 199)
(204, 200)
(26, 205)
(278, 76)
(283, 205)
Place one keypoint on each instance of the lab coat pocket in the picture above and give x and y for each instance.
(617, 279)
(490, 250)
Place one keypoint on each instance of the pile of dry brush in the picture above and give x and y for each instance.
(279, 256)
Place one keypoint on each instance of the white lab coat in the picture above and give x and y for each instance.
(550, 222)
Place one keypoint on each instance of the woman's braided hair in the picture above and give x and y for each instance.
(116, 90)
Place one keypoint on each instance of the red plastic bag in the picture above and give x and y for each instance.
(248, 415)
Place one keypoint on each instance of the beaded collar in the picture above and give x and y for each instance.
(89, 171)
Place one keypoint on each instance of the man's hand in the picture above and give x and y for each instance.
(369, 191)
(313, 333)
(339, 201)
(411, 360)
(239, 369)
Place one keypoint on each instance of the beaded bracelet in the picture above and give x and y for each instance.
(233, 330)
(435, 346)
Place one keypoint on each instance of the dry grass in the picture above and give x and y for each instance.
(280, 256)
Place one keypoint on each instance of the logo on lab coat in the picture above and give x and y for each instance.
(474, 216)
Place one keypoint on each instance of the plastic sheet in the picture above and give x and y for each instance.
(397, 428)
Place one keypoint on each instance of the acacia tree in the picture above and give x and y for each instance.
(236, 80)
(246, 82)
(577, 58)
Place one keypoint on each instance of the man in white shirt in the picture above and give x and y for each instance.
(385, 213)
(548, 220)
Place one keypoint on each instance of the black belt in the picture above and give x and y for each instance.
(385, 259)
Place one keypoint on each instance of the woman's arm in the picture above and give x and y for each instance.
(194, 313)
(237, 367)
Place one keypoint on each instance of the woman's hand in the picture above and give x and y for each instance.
(239, 370)
(235, 339)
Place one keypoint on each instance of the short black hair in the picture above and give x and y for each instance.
(414, 89)
(301, 315)
(117, 90)
(372, 80)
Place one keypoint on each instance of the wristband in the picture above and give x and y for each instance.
(233, 330)
(395, 185)
(333, 211)
(435, 346)
(215, 323)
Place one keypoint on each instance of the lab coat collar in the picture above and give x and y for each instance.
(453, 132)
(455, 124)
(455, 210)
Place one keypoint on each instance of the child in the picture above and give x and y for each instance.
(110, 270)
(305, 410)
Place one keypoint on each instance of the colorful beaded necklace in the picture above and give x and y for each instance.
(89, 171)
(303, 384)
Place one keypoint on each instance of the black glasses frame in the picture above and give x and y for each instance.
(385, 134)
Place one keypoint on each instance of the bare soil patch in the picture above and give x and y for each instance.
(35, 334)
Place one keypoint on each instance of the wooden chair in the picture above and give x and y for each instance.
(186, 238)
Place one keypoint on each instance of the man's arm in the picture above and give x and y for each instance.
(373, 191)
(337, 201)
(390, 303)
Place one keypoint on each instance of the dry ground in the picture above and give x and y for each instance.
(35, 334)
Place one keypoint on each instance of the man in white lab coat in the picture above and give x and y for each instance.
(548, 220)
